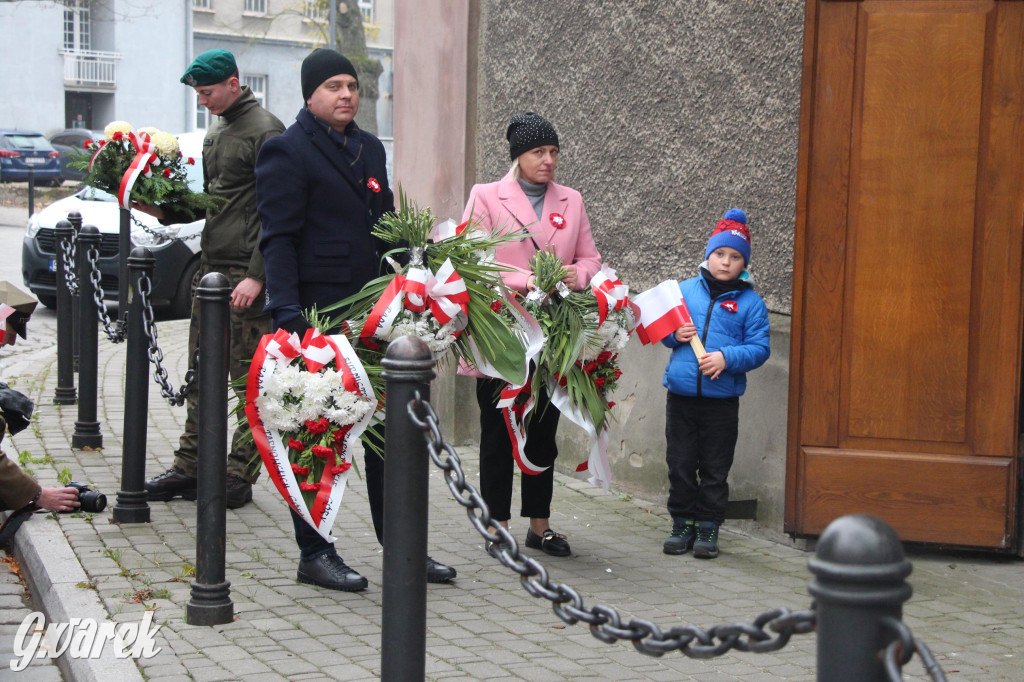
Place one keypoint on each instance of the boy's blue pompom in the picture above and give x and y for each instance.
(736, 214)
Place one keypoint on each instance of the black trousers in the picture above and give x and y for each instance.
(311, 544)
(700, 434)
(497, 464)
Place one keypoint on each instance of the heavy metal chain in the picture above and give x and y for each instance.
(605, 622)
(902, 649)
(67, 255)
(116, 335)
(160, 236)
(156, 355)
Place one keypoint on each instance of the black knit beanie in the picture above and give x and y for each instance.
(321, 64)
(529, 131)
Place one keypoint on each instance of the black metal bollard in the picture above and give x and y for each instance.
(132, 502)
(211, 592)
(408, 368)
(75, 218)
(31, 191)
(87, 430)
(65, 393)
(859, 571)
(124, 246)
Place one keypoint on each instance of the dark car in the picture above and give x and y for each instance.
(21, 150)
(71, 145)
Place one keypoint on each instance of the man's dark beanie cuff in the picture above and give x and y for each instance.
(321, 64)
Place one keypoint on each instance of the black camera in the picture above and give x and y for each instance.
(92, 501)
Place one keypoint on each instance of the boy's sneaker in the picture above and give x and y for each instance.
(706, 544)
(684, 532)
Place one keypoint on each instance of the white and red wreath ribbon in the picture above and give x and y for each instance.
(144, 157)
(662, 311)
(532, 338)
(597, 463)
(5, 329)
(277, 351)
(448, 229)
(443, 292)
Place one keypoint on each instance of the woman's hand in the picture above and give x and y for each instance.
(686, 332)
(712, 364)
(531, 283)
(571, 277)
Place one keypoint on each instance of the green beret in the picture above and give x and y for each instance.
(209, 68)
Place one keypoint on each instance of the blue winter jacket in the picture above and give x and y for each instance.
(735, 323)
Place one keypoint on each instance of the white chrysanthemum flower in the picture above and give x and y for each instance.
(116, 127)
(166, 145)
(149, 130)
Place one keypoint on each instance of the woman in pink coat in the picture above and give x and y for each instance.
(528, 197)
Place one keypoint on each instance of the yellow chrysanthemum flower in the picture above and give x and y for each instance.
(116, 127)
(166, 145)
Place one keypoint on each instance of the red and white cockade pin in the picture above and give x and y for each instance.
(373, 185)
(557, 220)
(731, 306)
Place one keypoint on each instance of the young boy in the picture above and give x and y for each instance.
(702, 414)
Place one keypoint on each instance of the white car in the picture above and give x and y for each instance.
(175, 247)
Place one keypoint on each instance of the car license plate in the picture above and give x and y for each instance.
(53, 265)
(35, 160)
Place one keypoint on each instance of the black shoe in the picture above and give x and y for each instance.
(706, 545)
(170, 484)
(439, 573)
(328, 570)
(550, 543)
(684, 532)
(239, 492)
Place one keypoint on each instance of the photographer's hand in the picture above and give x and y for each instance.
(58, 499)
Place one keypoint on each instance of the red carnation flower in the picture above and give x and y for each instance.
(117, 136)
(191, 161)
(599, 382)
(167, 172)
(322, 451)
(87, 144)
(309, 487)
(496, 306)
(590, 367)
(296, 445)
(562, 381)
(618, 372)
(317, 427)
(611, 404)
(300, 471)
(340, 469)
(604, 357)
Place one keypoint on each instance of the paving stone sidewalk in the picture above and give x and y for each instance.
(969, 609)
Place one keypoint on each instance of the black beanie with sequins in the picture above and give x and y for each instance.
(529, 131)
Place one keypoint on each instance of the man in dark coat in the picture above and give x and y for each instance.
(321, 186)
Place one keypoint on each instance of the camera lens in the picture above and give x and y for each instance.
(92, 501)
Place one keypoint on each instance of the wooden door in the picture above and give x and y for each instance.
(906, 349)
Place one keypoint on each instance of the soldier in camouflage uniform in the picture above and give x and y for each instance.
(229, 244)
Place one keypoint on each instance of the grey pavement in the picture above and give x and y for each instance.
(968, 608)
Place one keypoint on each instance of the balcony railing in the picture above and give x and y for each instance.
(89, 68)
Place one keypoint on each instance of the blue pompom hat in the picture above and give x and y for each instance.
(731, 231)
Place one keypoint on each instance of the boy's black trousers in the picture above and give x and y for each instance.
(700, 435)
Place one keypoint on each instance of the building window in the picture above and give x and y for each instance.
(255, 7)
(366, 7)
(76, 26)
(311, 10)
(258, 85)
(202, 116)
(202, 4)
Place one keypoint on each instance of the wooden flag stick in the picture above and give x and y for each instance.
(695, 342)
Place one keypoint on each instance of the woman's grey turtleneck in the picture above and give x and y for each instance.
(535, 192)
